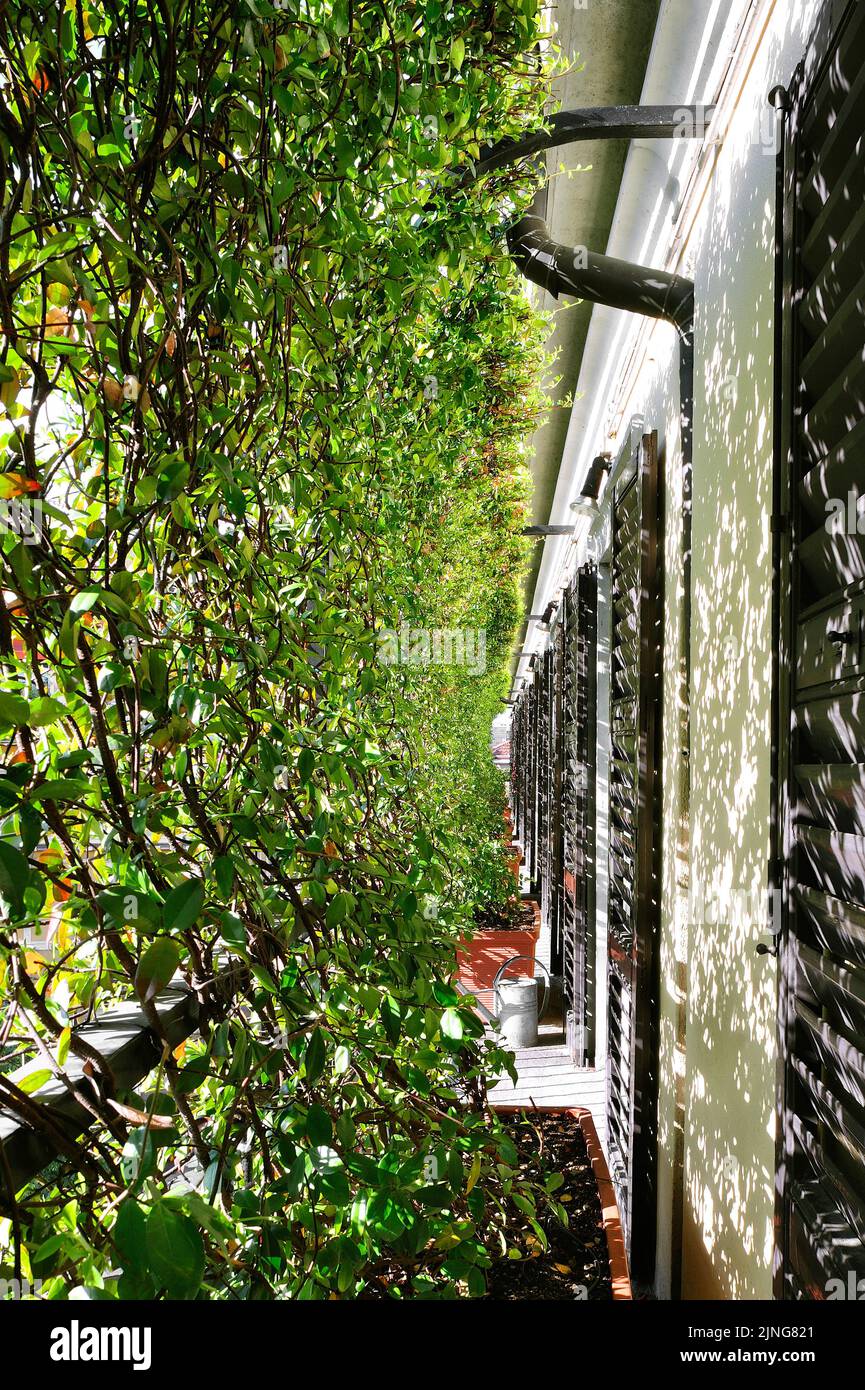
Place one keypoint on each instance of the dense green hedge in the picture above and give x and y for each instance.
(266, 373)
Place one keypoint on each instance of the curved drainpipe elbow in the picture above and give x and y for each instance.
(574, 270)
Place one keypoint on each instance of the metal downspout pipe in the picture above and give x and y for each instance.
(561, 269)
(574, 270)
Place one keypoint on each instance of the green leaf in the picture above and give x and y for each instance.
(44, 711)
(389, 1011)
(130, 1237)
(127, 906)
(175, 1252)
(210, 1218)
(306, 764)
(264, 978)
(523, 1204)
(156, 967)
(341, 906)
(477, 1284)
(67, 637)
(223, 868)
(183, 905)
(445, 995)
(192, 1075)
(33, 1081)
(14, 709)
(85, 601)
(332, 1175)
(452, 1025)
(61, 789)
(14, 873)
(339, 18)
(283, 185)
(233, 932)
(325, 1159)
(316, 1052)
(138, 1159)
(319, 1127)
(458, 53)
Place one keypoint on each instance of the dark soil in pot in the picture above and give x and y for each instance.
(576, 1265)
(519, 917)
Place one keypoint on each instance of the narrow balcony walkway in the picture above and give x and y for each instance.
(547, 1076)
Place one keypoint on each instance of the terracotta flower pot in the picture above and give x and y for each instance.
(481, 957)
(620, 1275)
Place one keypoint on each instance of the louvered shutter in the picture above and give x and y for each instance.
(523, 735)
(533, 736)
(545, 782)
(517, 771)
(557, 778)
(579, 622)
(821, 666)
(635, 720)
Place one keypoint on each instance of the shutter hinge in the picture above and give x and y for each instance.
(777, 870)
(779, 97)
(780, 523)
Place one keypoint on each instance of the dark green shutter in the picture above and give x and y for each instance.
(545, 779)
(635, 722)
(555, 886)
(579, 636)
(820, 852)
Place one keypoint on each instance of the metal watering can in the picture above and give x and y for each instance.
(515, 1004)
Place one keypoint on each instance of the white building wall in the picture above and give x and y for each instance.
(732, 992)
(718, 997)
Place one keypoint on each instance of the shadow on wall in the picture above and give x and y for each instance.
(730, 1086)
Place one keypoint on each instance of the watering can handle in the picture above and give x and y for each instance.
(547, 982)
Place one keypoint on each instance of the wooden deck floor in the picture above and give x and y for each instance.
(547, 1076)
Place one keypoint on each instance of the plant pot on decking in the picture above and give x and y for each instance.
(620, 1278)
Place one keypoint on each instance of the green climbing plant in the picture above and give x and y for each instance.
(265, 376)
